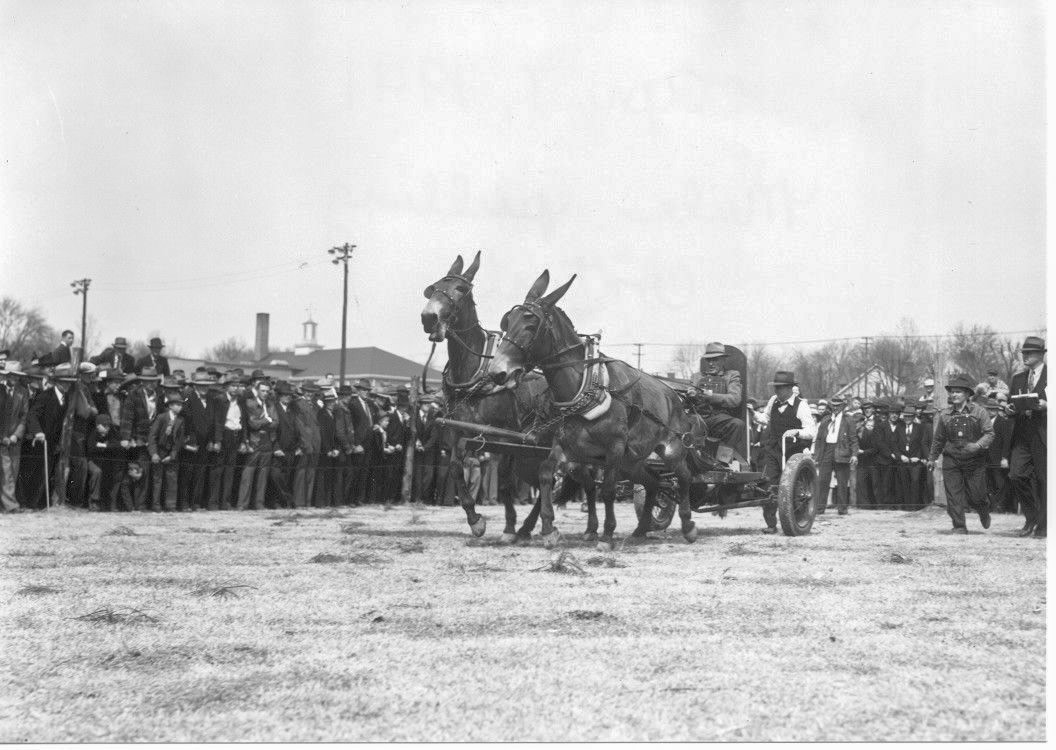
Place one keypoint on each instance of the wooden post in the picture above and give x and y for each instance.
(408, 449)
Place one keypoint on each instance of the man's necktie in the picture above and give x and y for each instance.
(1030, 379)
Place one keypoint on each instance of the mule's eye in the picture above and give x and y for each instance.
(429, 291)
(461, 289)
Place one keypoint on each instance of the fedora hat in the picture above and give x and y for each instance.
(257, 375)
(155, 343)
(837, 401)
(783, 377)
(713, 350)
(962, 381)
(362, 384)
(120, 343)
(910, 409)
(149, 373)
(1033, 344)
(174, 397)
(282, 388)
(330, 394)
(11, 368)
(172, 382)
(65, 373)
(202, 378)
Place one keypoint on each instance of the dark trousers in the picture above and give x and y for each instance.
(965, 488)
(304, 470)
(196, 467)
(729, 430)
(356, 478)
(32, 470)
(1027, 472)
(888, 492)
(1000, 490)
(254, 480)
(910, 485)
(327, 479)
(772, 474)
(281, 474)
(864, 479)
(222, 475)
(164, 485)
(826, 466)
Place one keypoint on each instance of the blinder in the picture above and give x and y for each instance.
(430, 291)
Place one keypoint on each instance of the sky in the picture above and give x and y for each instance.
(736, 171)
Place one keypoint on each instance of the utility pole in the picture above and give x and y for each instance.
(866, 350)
(80, 286)
(639, 347)
(342, 255)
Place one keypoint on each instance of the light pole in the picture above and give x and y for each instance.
(342, 255)
(80, 286)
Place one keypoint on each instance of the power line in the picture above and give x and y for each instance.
(818, 341)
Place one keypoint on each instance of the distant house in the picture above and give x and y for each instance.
(872, 383)
(376, 365)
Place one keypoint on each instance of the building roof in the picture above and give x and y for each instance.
(360, 362)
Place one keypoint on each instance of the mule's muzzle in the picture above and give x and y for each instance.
(436, 328)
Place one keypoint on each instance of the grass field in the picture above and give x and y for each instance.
(372, 625)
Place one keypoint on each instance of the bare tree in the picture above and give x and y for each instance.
(1009, 358)
(903, 358)
(761, 367)
(232, 349)
(23, 330)
(975, 350)
(686, 360)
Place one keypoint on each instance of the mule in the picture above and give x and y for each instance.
(451, 315)
(614, 416)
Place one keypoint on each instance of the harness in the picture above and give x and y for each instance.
(477, 378)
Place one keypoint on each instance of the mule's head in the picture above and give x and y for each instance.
(528, 336)
(448, 298)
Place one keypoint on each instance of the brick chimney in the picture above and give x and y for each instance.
(260, 349)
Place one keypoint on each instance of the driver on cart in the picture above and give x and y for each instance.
(716, 390)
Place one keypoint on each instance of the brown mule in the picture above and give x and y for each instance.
(451, 315)
(614, 415)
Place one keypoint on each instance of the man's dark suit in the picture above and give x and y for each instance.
(115, 359)
(46, 415)
(328, 473)
(158, 362)
(14, 409)
(886, 482)
(996, 477)
(835, 457)
(203, 426)
(136, 418)
(259, 434)
(357, 477)
(1027, 468)
(911, 445)
(287, 440)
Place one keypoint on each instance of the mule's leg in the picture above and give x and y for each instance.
(477, 522)
(584, 478)
(689, 529)
(608, 496)
(507, 490)
(652, 489)
(529, 521)
(551, 536)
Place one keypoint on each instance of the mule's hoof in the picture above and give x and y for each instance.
(523, 537)
(637, 535)
(604, 547)
(590, 536)
(552, 539)
(479, 527)
(508, 538)
(691, 533)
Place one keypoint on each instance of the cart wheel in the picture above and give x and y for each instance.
(663, 510)
(796, 506)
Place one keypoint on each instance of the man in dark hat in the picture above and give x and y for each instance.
(997, 457)
(202, 425)
(106, 464)
(154, 359)
(963, 433)
(259, 435)
(716, 394)
(912, 456)
(14, 409)
(143, 403)
(887, 436)
(328, 475)
(836, 450)
(222, 479)
(164, 445)
(789, 423)
(360, 411)
(1027, 461)
(116, 357)
(45, 421)
(306, 409)
(287, 444)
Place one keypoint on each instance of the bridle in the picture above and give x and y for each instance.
(545, 317)
(456, 303)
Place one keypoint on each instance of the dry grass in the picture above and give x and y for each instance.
(877, 627)
(122, 531)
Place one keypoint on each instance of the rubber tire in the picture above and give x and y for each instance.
(664, 510)
(798, 470)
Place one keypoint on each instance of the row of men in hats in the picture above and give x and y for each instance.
(127, 441)
(115, 357)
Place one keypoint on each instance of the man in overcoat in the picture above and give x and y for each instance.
(836, 450)
(1027, 462)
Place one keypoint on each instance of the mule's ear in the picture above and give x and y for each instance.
(551, 299)
(539, 286)
(456, 267)
(472, 270)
